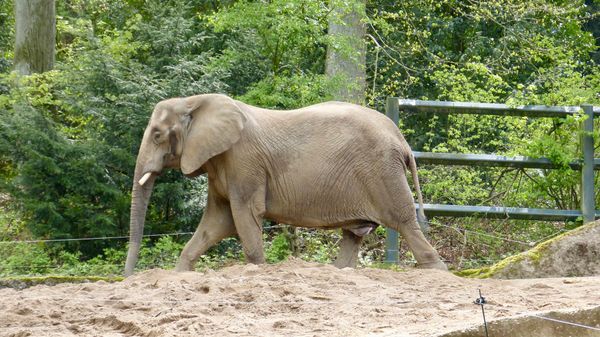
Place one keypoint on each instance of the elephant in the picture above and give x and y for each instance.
(329, 165)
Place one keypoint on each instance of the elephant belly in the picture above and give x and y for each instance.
(321, 214)
(290, 218)
(332, 192)
(361, 229)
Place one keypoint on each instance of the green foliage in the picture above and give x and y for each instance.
(43, 258)
(273, 52)
(7, 32)
(471, 82)
(226, 252)
(163, 254)
(288, 92)
(19, 259)
(496, 44)
(279, 249)
(61, 185)
(289, 34)
(318, 245)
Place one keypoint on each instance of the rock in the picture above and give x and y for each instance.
(575, 253)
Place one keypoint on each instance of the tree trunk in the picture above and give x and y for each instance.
(346, 53)
(35, 36)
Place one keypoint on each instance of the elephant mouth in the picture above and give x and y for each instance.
(201, 170)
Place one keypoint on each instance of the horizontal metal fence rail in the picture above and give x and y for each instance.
(586, 165)
(414, 105)
(501, 212)
(467, 159)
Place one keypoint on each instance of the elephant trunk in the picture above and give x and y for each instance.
(140, 196)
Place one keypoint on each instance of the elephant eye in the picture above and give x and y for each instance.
(156, 137)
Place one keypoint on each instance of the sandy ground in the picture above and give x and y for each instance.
(294, 298)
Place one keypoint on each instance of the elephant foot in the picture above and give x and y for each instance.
(349, 247)
(183, 266)
(433, 265)
(344, 263)
(256, 258)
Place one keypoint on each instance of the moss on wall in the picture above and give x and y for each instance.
(26, 282)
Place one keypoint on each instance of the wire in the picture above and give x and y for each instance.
(110, 237)
(547, 237)
(93, 238)
(529, 244)
(568, 323)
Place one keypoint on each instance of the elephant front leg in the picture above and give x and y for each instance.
(216, 224)
(349, 247)
(247, 216)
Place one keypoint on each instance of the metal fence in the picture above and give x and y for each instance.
(586, 165)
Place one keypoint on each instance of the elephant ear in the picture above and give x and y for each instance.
(215, 124)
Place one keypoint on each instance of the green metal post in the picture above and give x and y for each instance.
(588, 199)
(392, 110)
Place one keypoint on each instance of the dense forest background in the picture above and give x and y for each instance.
(69, 136)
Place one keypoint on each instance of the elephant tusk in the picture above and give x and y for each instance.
(145, 178)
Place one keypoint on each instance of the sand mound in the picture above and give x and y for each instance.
(294, 298)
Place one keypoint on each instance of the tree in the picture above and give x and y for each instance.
(592, 25)
(35, 36)
(346, 53)
(274, 51)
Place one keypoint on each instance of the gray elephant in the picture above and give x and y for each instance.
(330, 165)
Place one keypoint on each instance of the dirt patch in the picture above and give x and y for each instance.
(294, 298)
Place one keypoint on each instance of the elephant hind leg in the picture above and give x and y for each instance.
(349, 247)
(424, 253)
(404, 220)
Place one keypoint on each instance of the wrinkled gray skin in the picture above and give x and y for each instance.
(330, 165)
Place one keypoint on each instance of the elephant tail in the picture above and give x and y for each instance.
(412, 165)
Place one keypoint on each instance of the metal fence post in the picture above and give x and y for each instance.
(588, 199)
(392, 110)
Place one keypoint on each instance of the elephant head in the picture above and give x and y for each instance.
(182, 133)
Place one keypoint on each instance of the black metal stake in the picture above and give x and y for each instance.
(481, 301)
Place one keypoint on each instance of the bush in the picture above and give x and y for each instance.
(24, 259)
(279, 249)
(163, 254)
